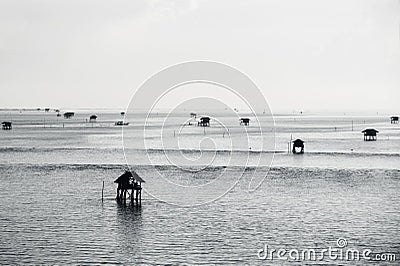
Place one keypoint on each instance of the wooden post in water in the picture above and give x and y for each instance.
(102, 192)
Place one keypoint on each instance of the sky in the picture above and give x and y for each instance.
(302, 54)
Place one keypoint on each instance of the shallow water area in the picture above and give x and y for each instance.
(51, 177)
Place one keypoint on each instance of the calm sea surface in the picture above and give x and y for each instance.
(51, 174)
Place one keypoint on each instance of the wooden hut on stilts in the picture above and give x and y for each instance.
(244, 121)
(6, 125)
(204, 121)
(129, 181)
(298, 143)
(370, 134)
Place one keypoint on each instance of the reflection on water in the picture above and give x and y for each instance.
(129, 229)
(46, 216)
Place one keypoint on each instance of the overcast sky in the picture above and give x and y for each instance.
(303, 54)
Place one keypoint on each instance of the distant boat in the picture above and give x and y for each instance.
(121, 123)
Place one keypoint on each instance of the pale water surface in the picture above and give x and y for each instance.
(51, 177)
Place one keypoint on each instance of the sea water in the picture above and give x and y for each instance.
(52, 170)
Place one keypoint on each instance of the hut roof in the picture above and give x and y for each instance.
(370, 130)
(298, 142)
(394, 117)
(205, 118)
(245, 119)
(6, 123)
(93, 117)
(129, 174)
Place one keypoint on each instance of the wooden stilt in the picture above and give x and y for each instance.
(102, 192)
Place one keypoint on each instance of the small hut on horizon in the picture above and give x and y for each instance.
(204, 121)
(6, 125)
(370, 134)
(245, 121)
(68, 115)
(394, 120)
(92, 118)
(298, 143)
(47, 110)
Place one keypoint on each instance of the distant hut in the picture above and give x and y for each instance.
(298, 143)
(69, 115)
(122, 113)
(6, 125)
(370, 134)
(92, 118)
(245, 121)
(394, 120)
(193, 115)
(47, 110)
(204, 121)
(129, 180)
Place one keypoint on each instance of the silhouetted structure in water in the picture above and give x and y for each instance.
(370, 134)
(6, 125)
(93, 118)
(298, 143)
(394, 120)
(193, 115)
(245, 121)
(204, 121)
(122, 113)
(47, 110)
(121, 123)
(129, 181)
(68, 115)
